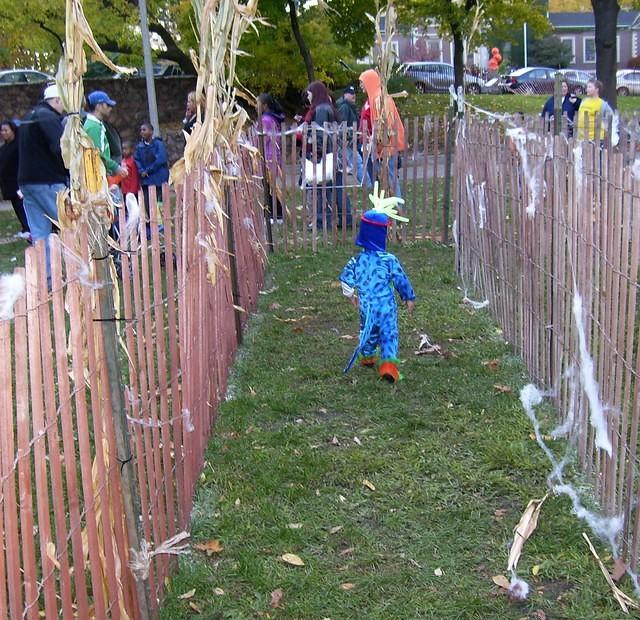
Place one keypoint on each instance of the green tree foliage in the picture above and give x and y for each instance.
(550, 51)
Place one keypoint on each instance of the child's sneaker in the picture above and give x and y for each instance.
(389, 372)
(368, 361)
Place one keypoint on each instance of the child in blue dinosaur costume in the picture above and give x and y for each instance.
(369, 280)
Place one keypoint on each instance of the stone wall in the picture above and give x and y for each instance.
(130, 111)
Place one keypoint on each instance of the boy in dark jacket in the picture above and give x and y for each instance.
(349, 114)
(151, 161)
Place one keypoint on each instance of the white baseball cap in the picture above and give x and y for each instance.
(51, 92)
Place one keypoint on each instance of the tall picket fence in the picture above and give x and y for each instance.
(540, 221)
(180, 305)
(318, 212)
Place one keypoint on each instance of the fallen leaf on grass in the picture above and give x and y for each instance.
(347, 586)
(275, 306)
(491, 364)
(269, 290)
(347, 551)
(438, 572)
(210, 546)
(535, 570)
(500, 513)
(188, 594)
(414, 563)
(356, 440)
(294, 526)
(369, 485)
(276, 598)
(334, 441)
(342, 498)
(336, 529)
(619, 570)
(293, 559)
(526, 526)
(347, 337)
(501, 581)
(195, 607)
(538, 614)
(302, 318)
(218, 591)
(502, 389)
(297, 330)
(545, 437)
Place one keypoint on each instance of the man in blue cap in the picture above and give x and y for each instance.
(99, 106)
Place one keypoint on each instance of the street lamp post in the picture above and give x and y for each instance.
(148, 66)
(524, 34)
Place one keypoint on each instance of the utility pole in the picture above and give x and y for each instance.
(148, 66)
(524, 36)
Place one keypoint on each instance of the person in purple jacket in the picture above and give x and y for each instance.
(270, 118)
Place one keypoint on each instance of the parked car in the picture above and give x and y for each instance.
(24, 76)
(436, 77)
(537, 81)
(628, 82)
(163, 68)
(578, 78)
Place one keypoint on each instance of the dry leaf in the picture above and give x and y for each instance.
(623, 600)
(342, 498)
(237, 502)
(51, 554)
(501, 581)
(438, 572)
(210, 546)
(195, 607)
(502, 389)
(491, 364)
(347, 337)
(188, 594)
(347, 551)
(500, 513)
(347, 586)
(535, 570)
(526, 526)
(294, 526)
(218, 591)
(369, 485)
(336, 529)
(297, 330)
(276, 598)
(414, 563)
(293, 559)
(538, 614)
(356, 440)
(619, 570)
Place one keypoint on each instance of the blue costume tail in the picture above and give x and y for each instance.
(365, 332)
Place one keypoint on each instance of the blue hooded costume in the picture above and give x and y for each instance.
(373, 275)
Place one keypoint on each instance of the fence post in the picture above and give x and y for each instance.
(267, 193)
(130, 489)
(557, 105)
(233, 266)
(457, 105)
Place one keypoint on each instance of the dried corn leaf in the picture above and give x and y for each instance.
(526, 526)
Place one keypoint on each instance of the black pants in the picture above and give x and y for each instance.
(145, 193)
(21, 215)
(274, 207)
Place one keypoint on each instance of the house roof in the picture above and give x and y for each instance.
(585, 21)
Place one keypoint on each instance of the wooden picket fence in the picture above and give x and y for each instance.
(536, 225)
(182, 299)
(306, 224)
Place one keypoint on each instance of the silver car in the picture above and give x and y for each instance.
(24, 76)
(628, 82)
(436, 77)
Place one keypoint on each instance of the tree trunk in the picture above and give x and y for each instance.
(304, 50)
(458, 59)
(605, 13)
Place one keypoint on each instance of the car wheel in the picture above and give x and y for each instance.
(473, 89)
(623, 91)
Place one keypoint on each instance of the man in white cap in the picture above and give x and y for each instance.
(99, 106)
(41, 170)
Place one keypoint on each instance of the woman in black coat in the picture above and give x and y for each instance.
(9, 174)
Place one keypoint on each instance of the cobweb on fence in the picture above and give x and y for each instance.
(579, 377)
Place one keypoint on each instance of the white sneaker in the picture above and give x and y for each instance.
(22, 235)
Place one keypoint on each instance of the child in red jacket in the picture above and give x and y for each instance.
(130, 184)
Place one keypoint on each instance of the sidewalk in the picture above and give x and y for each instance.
(400, 500)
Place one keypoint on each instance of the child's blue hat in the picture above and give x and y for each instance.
(374, 223)
(373, 231)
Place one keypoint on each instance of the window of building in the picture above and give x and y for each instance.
(589, 49)
(571, 43)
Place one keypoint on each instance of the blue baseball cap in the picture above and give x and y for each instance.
(99, 96)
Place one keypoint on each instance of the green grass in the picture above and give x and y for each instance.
(421, 105)
(443, 448)
(11, 249)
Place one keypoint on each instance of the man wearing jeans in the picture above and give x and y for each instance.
(41, 171)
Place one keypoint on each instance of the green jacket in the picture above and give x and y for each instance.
(97, 132)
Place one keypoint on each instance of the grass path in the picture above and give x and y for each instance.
(450, 458)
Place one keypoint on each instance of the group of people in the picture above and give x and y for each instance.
(32, 170)
(379, 135)
(582, 114)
